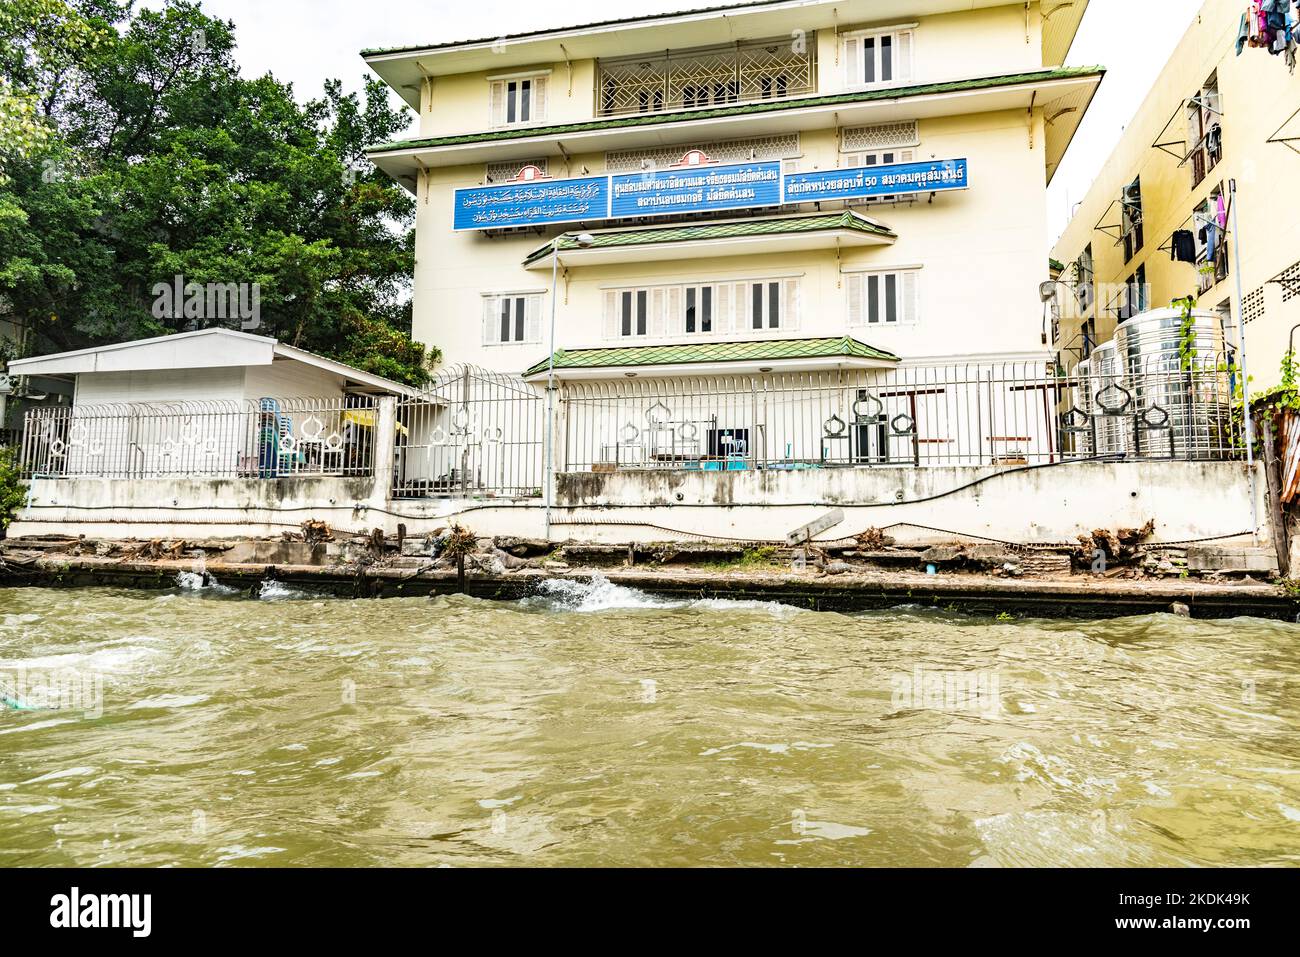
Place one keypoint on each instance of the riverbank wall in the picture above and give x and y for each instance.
(1024, 505)
(981, 580)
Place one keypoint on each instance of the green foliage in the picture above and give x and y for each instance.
(1186, 332)
(162, 160)
(13, 490)
(758, 557)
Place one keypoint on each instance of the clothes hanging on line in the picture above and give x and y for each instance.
(1214, 142)
(1269, 25)
(1182, 246)
(1221, 211)
(1209, 235)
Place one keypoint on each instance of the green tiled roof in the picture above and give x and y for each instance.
(696, 231)
(729, 8)
(1055, 264)
(760, 106)
(760, 350)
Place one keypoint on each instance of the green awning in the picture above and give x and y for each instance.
(764, 350)
(739, 229)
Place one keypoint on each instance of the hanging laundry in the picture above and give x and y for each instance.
(1221, 211)
(1182, 246)
(1209, 234)
(1214, 142)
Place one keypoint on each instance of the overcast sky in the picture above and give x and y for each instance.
(307, 41)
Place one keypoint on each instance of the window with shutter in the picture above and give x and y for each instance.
(886, 298)
(511, 318)
(611, 314)
(878, 58)
(701, 310)
(515, 101)
(768, 302)
(698, 310)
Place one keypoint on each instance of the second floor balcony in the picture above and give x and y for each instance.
(708, 76)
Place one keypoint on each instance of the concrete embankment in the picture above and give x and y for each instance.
(1075, 596)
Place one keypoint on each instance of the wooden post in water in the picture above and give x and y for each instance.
(1277, 520)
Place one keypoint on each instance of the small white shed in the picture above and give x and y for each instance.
(203, 366)
(214, 403)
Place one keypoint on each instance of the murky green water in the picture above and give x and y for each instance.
(596, 726)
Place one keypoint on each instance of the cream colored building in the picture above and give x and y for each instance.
(922, 277)
(1212, 117)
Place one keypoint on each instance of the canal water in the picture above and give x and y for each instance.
(596, 725)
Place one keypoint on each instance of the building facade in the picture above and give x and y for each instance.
(676, 165)
(1158, 224)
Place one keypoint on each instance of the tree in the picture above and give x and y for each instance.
(166, 162)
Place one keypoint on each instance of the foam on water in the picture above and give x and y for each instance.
(200, 581)
(600, 594)
(272, 590)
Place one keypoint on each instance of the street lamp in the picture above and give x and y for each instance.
(583, 241)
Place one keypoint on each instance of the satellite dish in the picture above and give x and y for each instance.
(1047, 291)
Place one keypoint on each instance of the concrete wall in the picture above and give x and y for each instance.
(1187, 500)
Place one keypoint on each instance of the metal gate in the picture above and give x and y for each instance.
(471, 432)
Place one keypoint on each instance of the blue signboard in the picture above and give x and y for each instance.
(537, 203)
(867, 181)
(696, 189)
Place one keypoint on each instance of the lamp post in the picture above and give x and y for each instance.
(583, 241)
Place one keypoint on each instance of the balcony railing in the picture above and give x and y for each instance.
(712, 76)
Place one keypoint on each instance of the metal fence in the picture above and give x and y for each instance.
(471, 433)
(475, 433)
(269, 438)
(1006, 414)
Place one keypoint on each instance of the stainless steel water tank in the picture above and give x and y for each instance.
(1190, 389)
(1105, 384)
(1080, 442)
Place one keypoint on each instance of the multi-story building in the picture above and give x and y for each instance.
(1158, 224)
(828, 184)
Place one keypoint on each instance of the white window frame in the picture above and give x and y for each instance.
(530, 320)
(702, 294)
(879, 157)
(854, 55)
(499, 98)
(731, 314)
(858, 286)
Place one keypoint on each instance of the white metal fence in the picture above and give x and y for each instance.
(471, 433)
(475, 433)
(269, 438)
(1005, 414)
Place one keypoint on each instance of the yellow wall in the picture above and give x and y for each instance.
(1258, 94)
